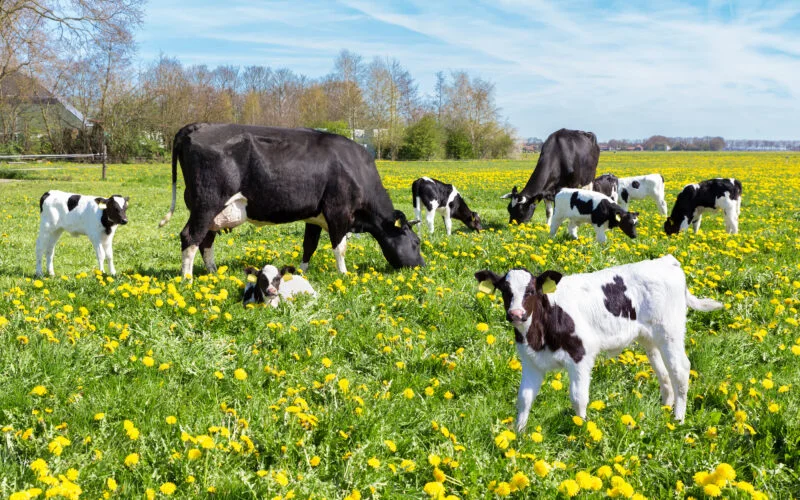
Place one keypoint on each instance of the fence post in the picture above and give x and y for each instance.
(104, 162)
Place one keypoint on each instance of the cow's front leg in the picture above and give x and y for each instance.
(529, 387)
(572, 229)
(448, 221)
(101, 255)
(207, 251)
(430, 218)
(338, 253)
(696, 223)
(109, 250)
(580, 375)
(310, 243)
(600, 233)
(548, 210)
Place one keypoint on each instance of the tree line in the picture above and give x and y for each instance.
(80, 52)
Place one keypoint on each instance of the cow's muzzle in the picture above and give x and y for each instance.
(516, 315)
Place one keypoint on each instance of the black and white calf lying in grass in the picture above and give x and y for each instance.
(444, 199)
(77, 214)
(581, 206)
(566, 321)
(271, 285)
(706, 196)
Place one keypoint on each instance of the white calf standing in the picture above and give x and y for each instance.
(581, 206)
(640, 187)
(566, 321)
(94, 216)
(270, 285)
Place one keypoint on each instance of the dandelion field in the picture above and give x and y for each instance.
(391, 384)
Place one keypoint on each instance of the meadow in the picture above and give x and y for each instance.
(391, 384)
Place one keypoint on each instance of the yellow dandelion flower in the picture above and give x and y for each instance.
(374, 463)
(168, 488)
(132, 459)
(39, 390)
(240, 374)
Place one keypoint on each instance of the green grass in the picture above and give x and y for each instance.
(386, 331)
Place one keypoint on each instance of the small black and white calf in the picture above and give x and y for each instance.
(444, 199)
(94, 216)
(608, 184)
(581, 206)
(641, 187)
(706, 196)
(271, 285)
(566, 321)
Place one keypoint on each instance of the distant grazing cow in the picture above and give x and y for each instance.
(582, 206)
(695, 199)
(607, 184)
(566, 321)
(271, 285)
(269, 175)
(77, 214)
(568, 159)
(444, 199)
(640, 187)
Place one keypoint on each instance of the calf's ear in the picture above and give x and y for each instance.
(101, 201)
(414, 222)
(287, 270)
(547, 281)
(487, 280)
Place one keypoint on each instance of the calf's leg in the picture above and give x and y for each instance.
(548, 210)
(109, 251)
(580, 375)
(529, 387)
(448, 222)
(677, 364)
(46, 248)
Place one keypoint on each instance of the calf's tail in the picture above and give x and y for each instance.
(703, 305)
(174, 183)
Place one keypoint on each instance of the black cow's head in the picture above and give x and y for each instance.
(474, 222)
(627, 222)
(521, 207)
(399, 243)
(114, 208)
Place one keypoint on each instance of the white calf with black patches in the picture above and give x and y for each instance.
(438, 198)
(567, 321)
(581, 206)
(271, 284)
(706, 196)
(641, 187)
(93, 216)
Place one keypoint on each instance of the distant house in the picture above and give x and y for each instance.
(27, 108)
(529, 148)
(603, 146)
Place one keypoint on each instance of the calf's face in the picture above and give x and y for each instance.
(520, 289)
(475, 222)
(628, 222)
(264, 283)
(115, 208)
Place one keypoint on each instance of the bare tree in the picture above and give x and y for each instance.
(349, 71)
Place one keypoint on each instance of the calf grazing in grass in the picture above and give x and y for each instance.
(438, 197)
(270, 285)
(581, 206)
(640, 187)
(706, 196)
(608, 184)
(566, 321)
(94, 216)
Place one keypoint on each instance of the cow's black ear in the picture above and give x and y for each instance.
(488, 277)
(287, 270)
(414, 222)
(547, 281)
(127, 199)
(100, 201)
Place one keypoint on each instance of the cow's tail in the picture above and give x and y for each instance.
(703, 305)
(174, 183)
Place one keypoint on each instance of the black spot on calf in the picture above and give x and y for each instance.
(624, 195)
(553, 328)
(616, 302)
(72, 202)
(635, 184)
(41, 201)
(584, 206)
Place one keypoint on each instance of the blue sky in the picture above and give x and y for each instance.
(623, 69)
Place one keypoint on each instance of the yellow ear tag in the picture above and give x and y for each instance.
(619, 218)
(549, 286)
(397, 223)
(252, 278)
(287, 277)
(102, 206)
(486, 287)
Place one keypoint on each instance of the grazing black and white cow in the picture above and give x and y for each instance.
(566, 321)
(568, 159)
(706, 196)
(444, 199)
(608, 184)
(640, 187)
(94, 216)
(581, 206)
(269, 175)
(271, 285)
